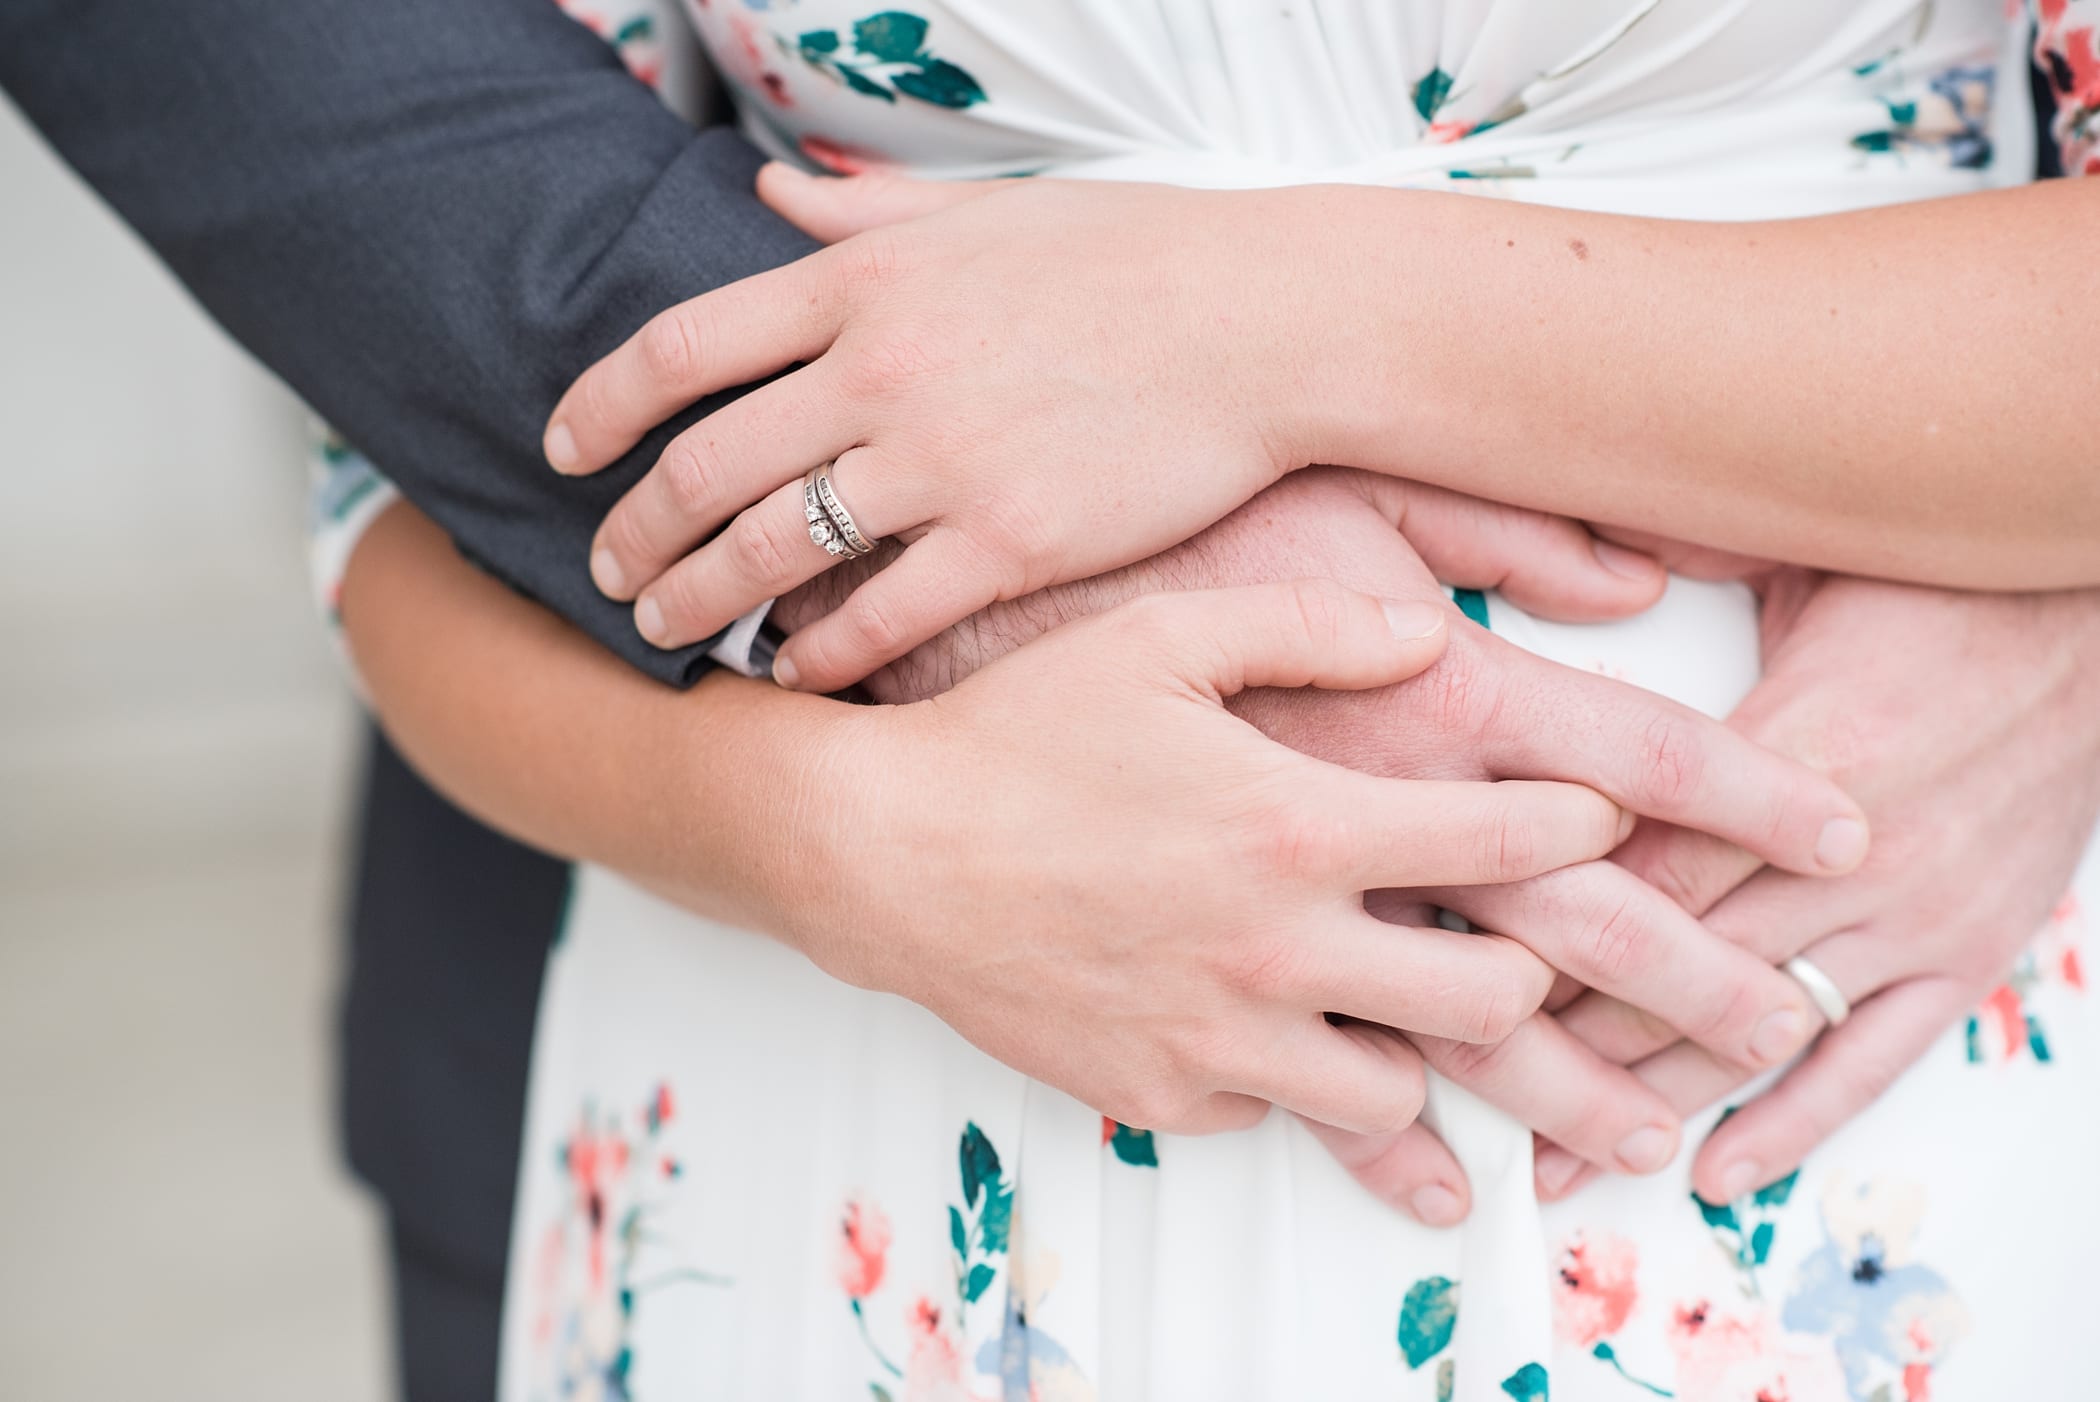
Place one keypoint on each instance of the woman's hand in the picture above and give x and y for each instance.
(1084, 864)
(1038, 382)
(1969, 727)
(1488, 711)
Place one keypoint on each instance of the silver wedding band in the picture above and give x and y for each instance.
(1820, 989)
(830, 523)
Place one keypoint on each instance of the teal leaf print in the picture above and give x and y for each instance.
(981, 1277)
(1745, 1229)
(866, 87)
(980, 1162)
(1133, 1146)
(1446, 1380)
(1718, 1215)
(1605, 1353)
(891, 37)
(995, 1223)
(637, 30)
(879, 1393)
(1432, 93)
(1428, 1316)
(1775, 1194)
(887, 58)
(1472, 603)
(939, 82)
(956, 1236)
(1527, 1384)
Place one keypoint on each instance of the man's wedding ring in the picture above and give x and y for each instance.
(1820, 990)
(830, 523)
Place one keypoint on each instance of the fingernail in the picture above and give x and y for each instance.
(1779, 1036)
(560, 447)
(784, 672)
(1842, 844)
(1437, 1206)
(1627, 819)
(605, 572)
(1737, 1179)
(1646, 1149)
(1555, 1170)
(649, 621)
(1627, 564)
(1412, 620)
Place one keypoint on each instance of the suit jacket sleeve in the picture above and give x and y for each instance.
(427, 218)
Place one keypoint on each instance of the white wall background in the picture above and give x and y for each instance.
(175, 747)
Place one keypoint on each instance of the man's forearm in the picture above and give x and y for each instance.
(425, 218)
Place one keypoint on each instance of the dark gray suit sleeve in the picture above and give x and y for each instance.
(425, 216)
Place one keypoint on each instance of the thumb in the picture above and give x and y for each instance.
(1547, 565)
(832, 208)
(1309, 632)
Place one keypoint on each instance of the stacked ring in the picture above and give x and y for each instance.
(830, 523)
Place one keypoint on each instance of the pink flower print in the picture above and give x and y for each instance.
(864, 1241)
(594, 1161)
(933, 1371)
(839, 158)
(1596, 1290)
(1722, 1358)
(745, 64)
(2071, 60)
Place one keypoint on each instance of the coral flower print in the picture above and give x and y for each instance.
(2068, 55)
(1596, 1290)
(1728, 1358)
(864, 1239)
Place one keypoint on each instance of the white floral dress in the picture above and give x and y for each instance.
(744, 1180)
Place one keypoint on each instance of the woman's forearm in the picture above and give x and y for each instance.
(706, 796)
(1903, 391)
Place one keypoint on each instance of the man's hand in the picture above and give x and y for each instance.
(1491, 711)
(1968, 725)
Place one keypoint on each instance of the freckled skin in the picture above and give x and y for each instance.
(1580, 249)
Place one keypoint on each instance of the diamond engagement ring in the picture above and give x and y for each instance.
(830, 523)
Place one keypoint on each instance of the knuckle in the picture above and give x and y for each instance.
(874, 627)
(1165, 1108)
(1609, 943)
(671, 347)
(1229, 1114)
(1144, 627)
(1496, 1013)
(1473, 1063)
(1012, 540)
(1263, 968)
(691, 476)
(1730, 1017)
(1673, 761)
(1299, 841)
(1508, 847)
(1321, 608)
(1457, 692)
(868, 259)
(758, 552)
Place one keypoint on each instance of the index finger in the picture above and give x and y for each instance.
(1664, 760)
(725, 338)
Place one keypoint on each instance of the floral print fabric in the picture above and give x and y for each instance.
(744, 1180)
